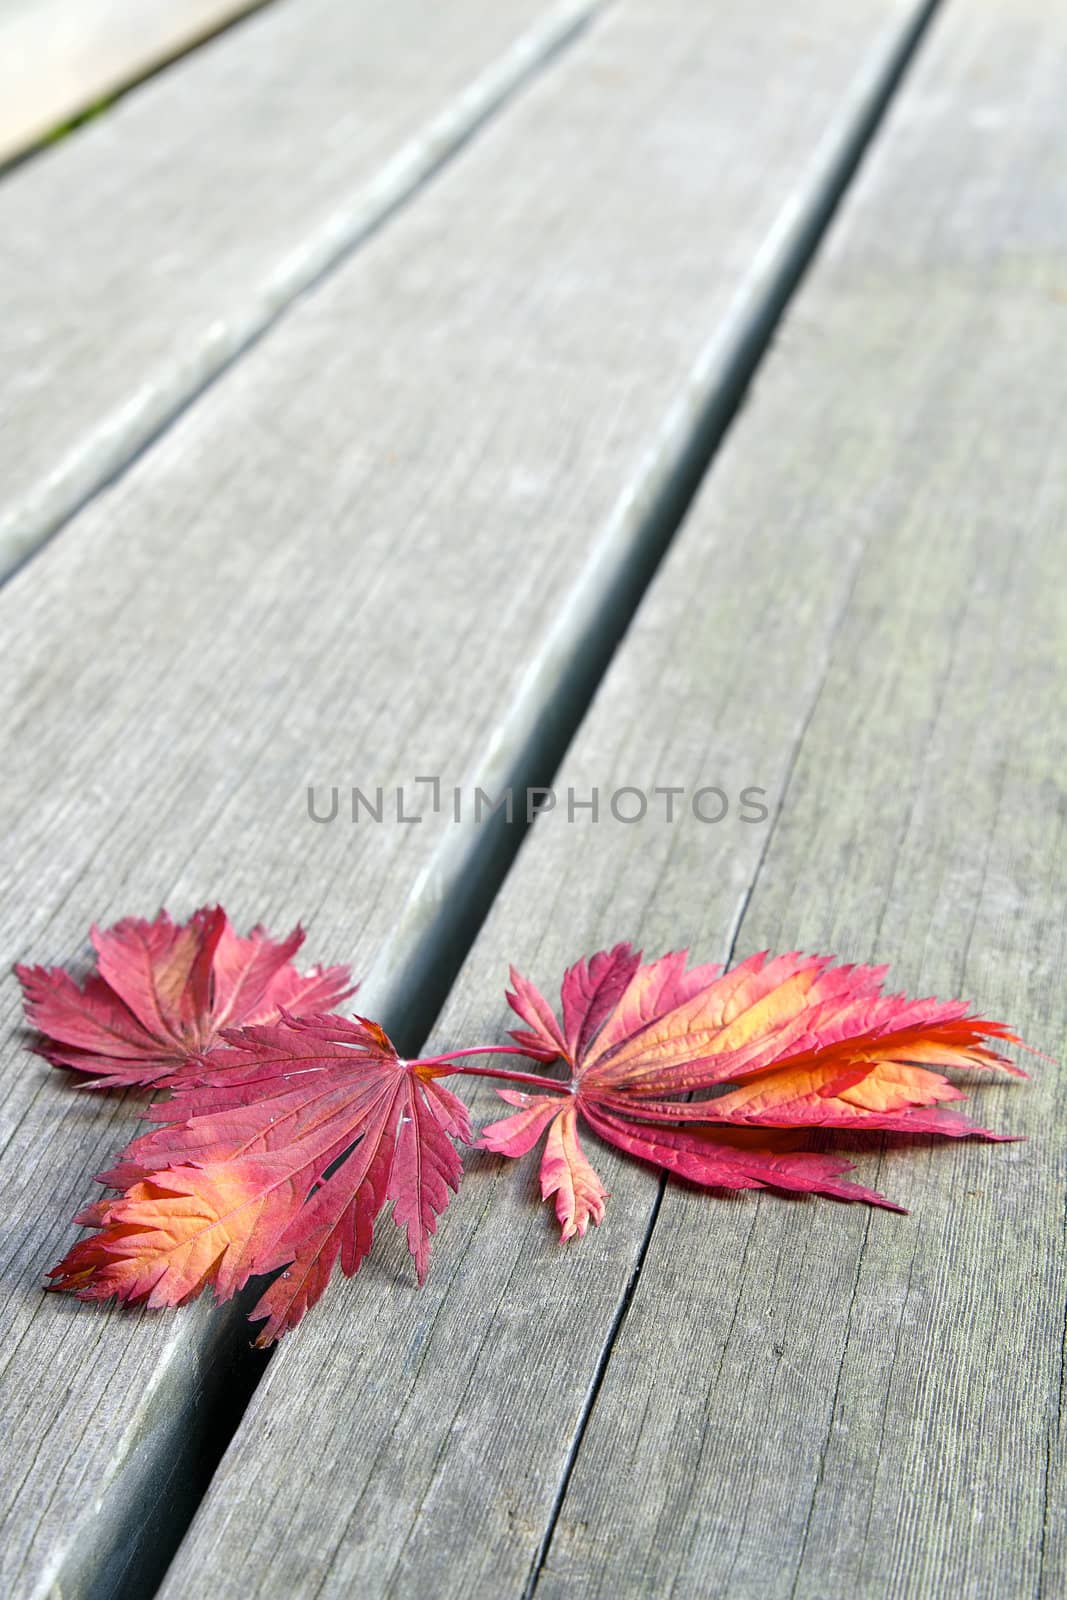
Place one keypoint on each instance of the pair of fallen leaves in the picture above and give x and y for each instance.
(290, 1129)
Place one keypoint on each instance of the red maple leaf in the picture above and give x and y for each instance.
(790, 1043)
(282, 1145)
(281, 1156)
(164, 991)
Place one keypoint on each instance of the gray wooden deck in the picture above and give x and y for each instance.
(356, 373)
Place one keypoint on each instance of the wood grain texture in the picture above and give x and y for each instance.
(801, 1404)
(144, 254)
(59, 57)
(371, 551)
(866, 615)
(818, 593)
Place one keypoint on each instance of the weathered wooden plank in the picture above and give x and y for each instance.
(864, 615)
(143, 255)
(59, 57)
(375, 549)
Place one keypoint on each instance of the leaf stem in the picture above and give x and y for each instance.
(451, 1056)
(478, 1050)
(512, 1077)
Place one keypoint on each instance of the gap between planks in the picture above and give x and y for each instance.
(416, 968)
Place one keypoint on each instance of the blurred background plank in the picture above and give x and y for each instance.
(58, 58)
(143, 253)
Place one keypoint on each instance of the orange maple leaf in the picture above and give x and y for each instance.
(789, 1043)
